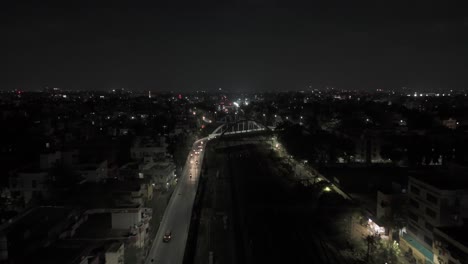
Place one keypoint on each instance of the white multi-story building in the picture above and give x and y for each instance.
(29, 184)
(161, 173)
(115, 253)
(434, 201)
(367, 149)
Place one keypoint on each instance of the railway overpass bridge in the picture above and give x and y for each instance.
(240, 127)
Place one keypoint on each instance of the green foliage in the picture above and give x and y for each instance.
(316, 146)
(386, 252)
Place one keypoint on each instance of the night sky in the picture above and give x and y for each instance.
(242, 46)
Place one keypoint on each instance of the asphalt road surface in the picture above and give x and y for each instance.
(178, 213)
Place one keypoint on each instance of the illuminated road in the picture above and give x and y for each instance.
(178, 213)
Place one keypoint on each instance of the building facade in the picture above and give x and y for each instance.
(433, 202)
(450, 245)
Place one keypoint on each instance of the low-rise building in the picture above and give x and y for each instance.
(32, 230)
(114, 253)
(162, 173)
(76, 251)
(134, 191)
(29, 184)
(125, 218)
(50, 159)
(148, 147)
(124, 223)
(93, 172)
(130, 171)
(450, 123)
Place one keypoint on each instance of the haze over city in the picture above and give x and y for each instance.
(240, 45)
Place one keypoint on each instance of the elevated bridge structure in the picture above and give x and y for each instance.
(239, 127)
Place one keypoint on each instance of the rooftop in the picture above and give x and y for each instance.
(99, 226)
(33, 227)
(443, 180)
(147, 142)
(457, 233)
(114, 247)
(63, 251)
(124, 186)
(38, 219)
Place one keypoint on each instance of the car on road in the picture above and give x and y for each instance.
(167, 236)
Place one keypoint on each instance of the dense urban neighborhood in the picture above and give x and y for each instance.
(313, 176)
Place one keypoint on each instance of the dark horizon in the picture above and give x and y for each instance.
(257, 46)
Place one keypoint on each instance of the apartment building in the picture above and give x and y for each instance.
(434, 201)
(450, 245)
